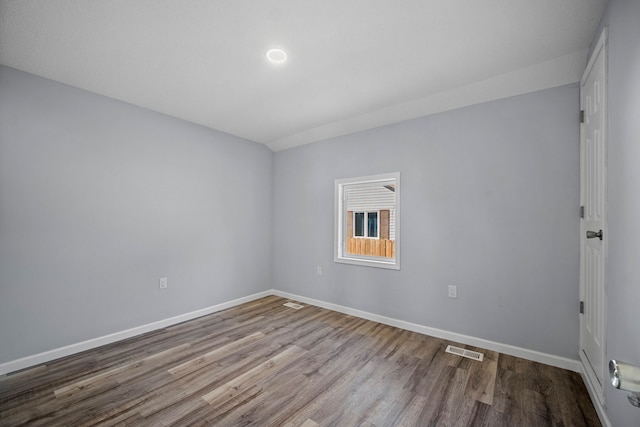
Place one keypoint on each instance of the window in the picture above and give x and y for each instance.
(371, 221)
(367, 221)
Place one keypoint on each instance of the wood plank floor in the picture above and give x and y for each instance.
(264, 364)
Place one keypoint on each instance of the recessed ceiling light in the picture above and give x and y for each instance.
(277, 56)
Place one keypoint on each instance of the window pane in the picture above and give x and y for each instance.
(372, 224)
(359, 224)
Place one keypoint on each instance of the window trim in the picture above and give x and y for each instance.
(340, 223)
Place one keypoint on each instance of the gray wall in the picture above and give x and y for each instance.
(98, 199)
(489, 199)
(623, 267)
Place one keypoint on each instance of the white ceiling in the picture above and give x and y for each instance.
(353, 64)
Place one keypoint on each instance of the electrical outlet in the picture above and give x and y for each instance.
(453, 291)
(162, 284)
(319, 271)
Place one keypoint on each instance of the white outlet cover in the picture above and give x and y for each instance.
(453, 292)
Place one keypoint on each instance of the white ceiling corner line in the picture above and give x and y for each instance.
(556, 72)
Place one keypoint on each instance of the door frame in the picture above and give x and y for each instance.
(589, 374)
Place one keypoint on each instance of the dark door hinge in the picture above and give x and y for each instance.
(581, 307)
(581, 116)
(581, 211)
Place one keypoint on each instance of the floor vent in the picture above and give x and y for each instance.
(293, 305)
(465, 353)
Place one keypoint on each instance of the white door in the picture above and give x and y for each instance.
(593, 234)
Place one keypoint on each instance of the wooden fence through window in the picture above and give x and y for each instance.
(371, 247)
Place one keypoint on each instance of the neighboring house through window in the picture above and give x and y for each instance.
(367, 213)
(365, 224)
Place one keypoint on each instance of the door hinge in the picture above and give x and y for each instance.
(581, 211)
(581, 307)
(581, 116)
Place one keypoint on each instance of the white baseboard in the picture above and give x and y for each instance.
(37, 359)
(597, 396)
(536, 356)
(26, 362)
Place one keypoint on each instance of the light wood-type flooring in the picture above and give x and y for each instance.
(264, 364)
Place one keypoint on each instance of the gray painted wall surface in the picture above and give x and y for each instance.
(623, 267)
(489, 203)
(98, 199)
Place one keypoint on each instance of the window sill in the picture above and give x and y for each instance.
(368, 262)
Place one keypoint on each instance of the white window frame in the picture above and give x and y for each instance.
(366, 224)
(340, 222)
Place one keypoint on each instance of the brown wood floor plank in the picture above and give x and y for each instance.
(258, 403)
(253, 376)
(321, 401)
(482, 378)
(264, 364)
(203, 381)
(373, 401)
(212, 356)
(125, 372)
